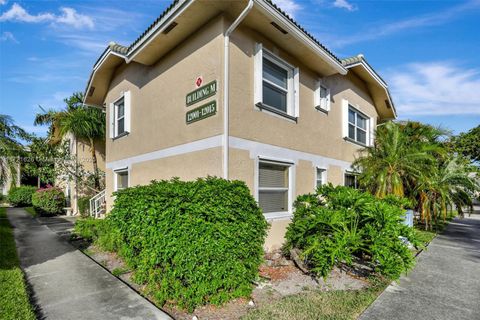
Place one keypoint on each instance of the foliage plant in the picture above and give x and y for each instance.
(21, 196)
(48, 201)
(342, 225)
(84, 205)
(191, 243)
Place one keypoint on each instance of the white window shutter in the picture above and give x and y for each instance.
(371, 131)
(327, 107)
(316, 99)
(258, 74)
(127, 98)
(296, 92)
(345, 118)
(111, 112)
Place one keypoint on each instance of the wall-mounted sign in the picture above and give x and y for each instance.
(201, 112)
(201, 93)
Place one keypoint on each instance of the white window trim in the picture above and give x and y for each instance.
(126, 96)
(116, 172)
(293, 84)
(291, 184)
(318, 100)
(346, 105)
(324, 176)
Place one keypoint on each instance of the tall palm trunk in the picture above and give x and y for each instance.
(95, 164)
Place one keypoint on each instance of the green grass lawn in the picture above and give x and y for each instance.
(31, 210)
(14, 302)
(333, 305)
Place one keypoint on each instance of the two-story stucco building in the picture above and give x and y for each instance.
(235, 89)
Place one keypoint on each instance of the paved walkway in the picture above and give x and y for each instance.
(67, 284)
(445, 283)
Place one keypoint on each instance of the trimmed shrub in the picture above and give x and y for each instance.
(48, 201)
(339, 224)
(21, 196)
(84, 205)
(100, 232)
(191, 243)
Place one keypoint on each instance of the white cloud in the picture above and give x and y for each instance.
(2, 2)
(69, 17)
(289, 6)
(344, 4)
(17, 13)
(8, 36)
(72, 18)
(437, 88)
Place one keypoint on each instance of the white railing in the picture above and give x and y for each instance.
(97, 204)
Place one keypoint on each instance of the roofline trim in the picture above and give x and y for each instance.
(299, 34)
(379, 80)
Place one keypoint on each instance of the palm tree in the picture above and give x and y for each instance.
(85, 123)
(394, 164)
(10, 148)
(451, 184)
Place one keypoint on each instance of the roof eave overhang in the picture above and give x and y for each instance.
(268, 9)
(374, 78)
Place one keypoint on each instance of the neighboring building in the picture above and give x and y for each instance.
(9, 182)
(275, 108)
(83, 162)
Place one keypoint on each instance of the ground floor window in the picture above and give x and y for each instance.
(273, 187)
(320, 177)
(351, 180)
(121, 179)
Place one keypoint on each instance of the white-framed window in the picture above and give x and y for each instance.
(357, 125)
(120, 115)
(274, 186)
(276, 84)
(320, 177)
(322, 97)
(351, 180)
(122, 179)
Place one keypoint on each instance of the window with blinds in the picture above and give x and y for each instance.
(273, 186)
(320, 177)
(351, 180)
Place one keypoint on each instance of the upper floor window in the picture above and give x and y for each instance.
(357, 125)
(276, 84)
(120, 116)
(322, 97)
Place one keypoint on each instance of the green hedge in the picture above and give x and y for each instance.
(21, 196)
(339, 224)
(190, 243)
(48, 201)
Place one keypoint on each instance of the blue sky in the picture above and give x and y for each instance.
(427, 51)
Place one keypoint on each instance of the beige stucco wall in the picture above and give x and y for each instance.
(158, 95)
(315, 132)
(188, 166)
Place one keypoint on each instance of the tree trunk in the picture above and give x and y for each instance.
(95, 164)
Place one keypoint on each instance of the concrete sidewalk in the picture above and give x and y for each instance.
(67, 284)
(445, 283)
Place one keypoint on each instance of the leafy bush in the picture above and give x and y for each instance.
(2, 197)
(99, 231)
(84, 205)
(21, 196)
(48, 201)
(339, 224)
(191, 243)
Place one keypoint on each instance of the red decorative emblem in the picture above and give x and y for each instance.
(199, 81)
